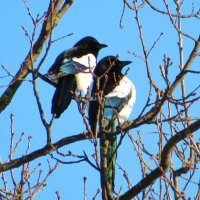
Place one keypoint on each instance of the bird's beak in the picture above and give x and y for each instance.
(101, 46)
(124, 63)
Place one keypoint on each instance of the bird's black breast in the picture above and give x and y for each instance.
(107, 83)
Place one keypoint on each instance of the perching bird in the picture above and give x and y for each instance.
(114, 94)
(71, 72)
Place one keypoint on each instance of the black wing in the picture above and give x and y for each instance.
(93, 114)
(68, 54)
(63, 94)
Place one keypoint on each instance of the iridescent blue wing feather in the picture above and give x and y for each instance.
(62, 58)
(113, 105)
(71, 67)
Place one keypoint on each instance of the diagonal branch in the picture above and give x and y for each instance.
(127, 126)
(54, 14)
(148, 117)
(165, 162)
(42, 152)
(196, 15)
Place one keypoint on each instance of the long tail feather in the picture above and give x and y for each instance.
(112, 155)
(108, 145)
(63, 95)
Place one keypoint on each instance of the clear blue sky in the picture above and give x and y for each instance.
(101, 20)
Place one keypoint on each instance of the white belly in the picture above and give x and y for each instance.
(83, 82)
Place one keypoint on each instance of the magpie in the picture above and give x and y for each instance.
(72, 72)
(112, 98)
(115, 89)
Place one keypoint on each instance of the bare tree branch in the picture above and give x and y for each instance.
(165, 162)
(26, 67)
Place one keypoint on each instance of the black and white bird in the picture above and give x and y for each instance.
(118, 91)
(72, 72)
(113, 96)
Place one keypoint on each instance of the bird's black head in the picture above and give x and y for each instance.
(110, 64)
(90, 45)
(109, 70)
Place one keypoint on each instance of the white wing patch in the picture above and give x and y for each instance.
(88, 60)
(125, 88)
(84, 79)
